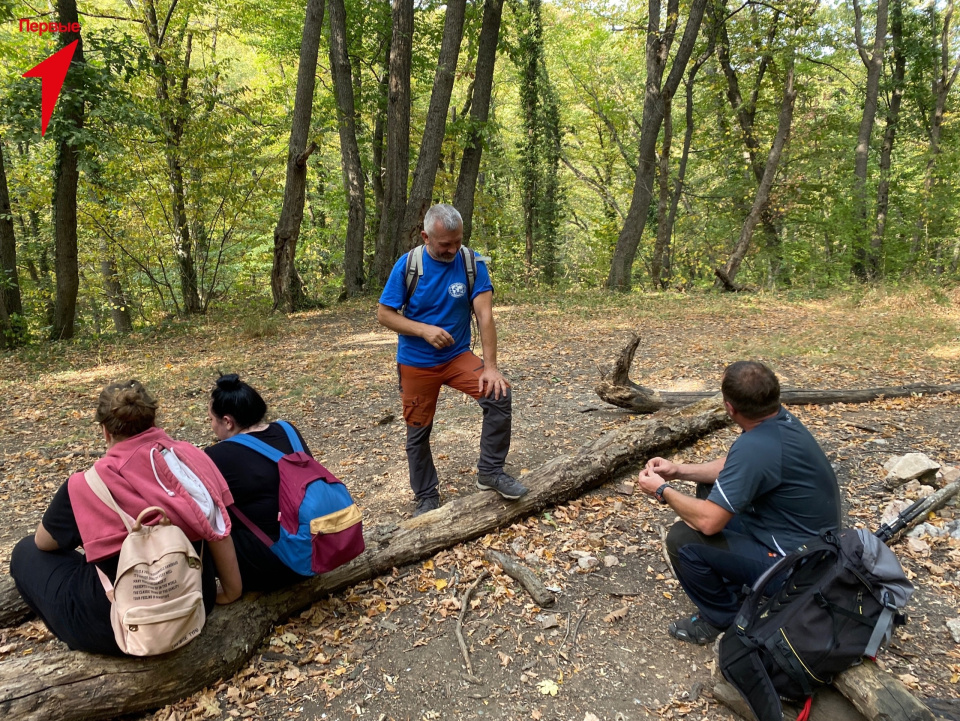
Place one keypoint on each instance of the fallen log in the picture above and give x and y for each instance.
(59, 685)
(616, 388)
(880, 696)
(828, 704)
(13, 611)
(861, 693)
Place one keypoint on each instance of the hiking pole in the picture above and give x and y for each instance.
(889, 530)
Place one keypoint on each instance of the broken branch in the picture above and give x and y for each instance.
(526, 577)
(464, 605)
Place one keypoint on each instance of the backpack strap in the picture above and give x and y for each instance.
(413, 271)
(291, 436)
(412, 274)
(103, 493)
(252, 527)
(255, 444)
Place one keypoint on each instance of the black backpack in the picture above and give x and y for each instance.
(842, 594)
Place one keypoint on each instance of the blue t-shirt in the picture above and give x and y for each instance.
(440, 300)
(779, 482)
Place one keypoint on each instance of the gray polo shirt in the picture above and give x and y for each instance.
(779, 482)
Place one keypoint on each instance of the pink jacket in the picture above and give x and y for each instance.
(126, 471)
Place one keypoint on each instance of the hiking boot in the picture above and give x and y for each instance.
(503, 483)
(425, 505)
(694, 630)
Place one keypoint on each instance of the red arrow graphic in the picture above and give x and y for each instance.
(52, 73)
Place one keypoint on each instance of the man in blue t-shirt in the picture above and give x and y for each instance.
(433, 350)
(773, 491)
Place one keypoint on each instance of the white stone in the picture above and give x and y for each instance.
(893, 509)
(927, 529)
(547, 620)
(954, 625)
(610, 561)
(918, 546)
(950, 474)
(587, 562)
(910, 466)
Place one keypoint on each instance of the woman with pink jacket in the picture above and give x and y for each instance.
(62, 585)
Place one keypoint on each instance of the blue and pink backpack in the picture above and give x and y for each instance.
(320, 525)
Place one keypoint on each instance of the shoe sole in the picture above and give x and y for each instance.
(505, 495)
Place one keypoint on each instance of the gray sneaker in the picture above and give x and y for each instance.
(425, 505)
(503, 483)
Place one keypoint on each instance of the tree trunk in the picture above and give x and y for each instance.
(66, 179)
(13, 328)
(174, 111)
(942, 83)
(434, 129)
(349, 151)
(62, 685)
(658, 48)
(616, 388)
(463, 200)
(828, 704)
(663, 276)
(398, 143)
(769, 173)
(284, 279)
(874, 65)
(378, 129)
(113, 290)
(875, 255)
(664, 228)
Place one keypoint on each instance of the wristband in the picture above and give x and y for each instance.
(658, 494)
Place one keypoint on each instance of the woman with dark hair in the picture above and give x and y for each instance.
(63, 586)
(254, 480)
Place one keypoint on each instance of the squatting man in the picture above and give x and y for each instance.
(773, 491)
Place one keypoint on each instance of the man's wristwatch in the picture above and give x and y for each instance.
(658, 494)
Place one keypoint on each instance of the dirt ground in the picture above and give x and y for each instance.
(388, 649)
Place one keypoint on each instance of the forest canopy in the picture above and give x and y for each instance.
(218, 154)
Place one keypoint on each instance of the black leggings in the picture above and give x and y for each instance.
(65, 592)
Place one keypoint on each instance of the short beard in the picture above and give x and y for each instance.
(442, 260)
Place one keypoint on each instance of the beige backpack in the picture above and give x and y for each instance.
(157, 598)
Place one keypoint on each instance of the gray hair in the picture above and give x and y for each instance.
(444, 215)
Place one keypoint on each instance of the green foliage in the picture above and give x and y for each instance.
(559, 150)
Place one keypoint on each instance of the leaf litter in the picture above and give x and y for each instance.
(386, 649)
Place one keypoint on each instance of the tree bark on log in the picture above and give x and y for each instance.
(879, 696)
(868, 693)
(828, 704)
(616, 388)
(64, 685)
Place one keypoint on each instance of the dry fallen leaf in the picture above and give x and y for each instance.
(548, 687)
(618, 615)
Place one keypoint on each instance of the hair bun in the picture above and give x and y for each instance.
(229, 382)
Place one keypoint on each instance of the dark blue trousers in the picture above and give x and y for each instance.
(714, 569)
